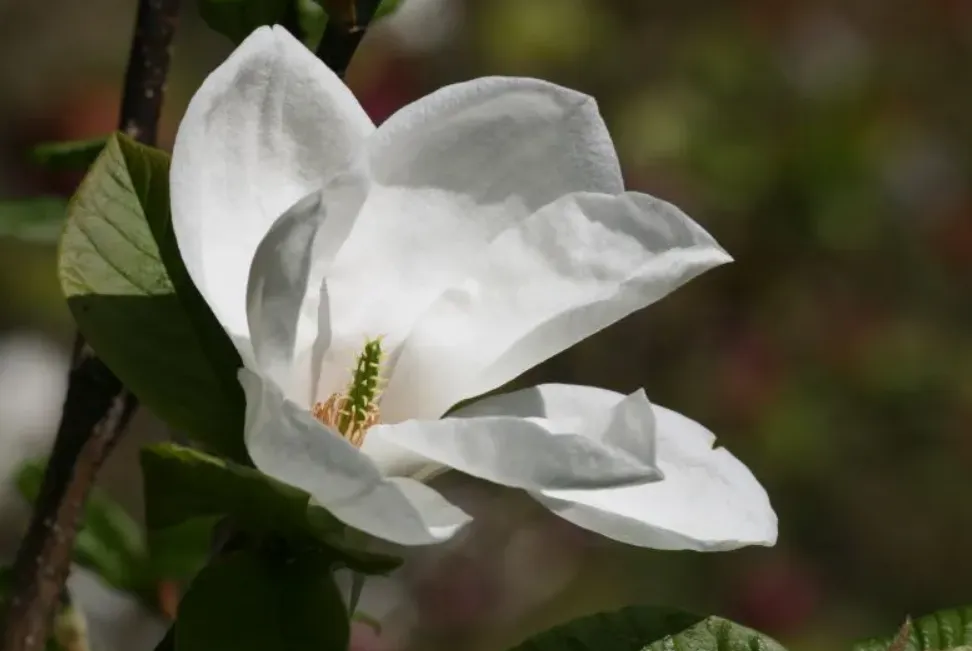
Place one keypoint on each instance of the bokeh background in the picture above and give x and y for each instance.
(826, 144)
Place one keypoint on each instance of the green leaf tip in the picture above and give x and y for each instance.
(944, 630)
(37, 220)
(650, 628)
(73, 155)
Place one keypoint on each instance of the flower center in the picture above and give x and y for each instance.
(351, 413)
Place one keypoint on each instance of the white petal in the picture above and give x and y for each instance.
(450, 172)
(625, 422)
(265, 129)
(287, 443)
(285, 310)
(498, 139)
(536, 454)
(708, 501)
(574, 267)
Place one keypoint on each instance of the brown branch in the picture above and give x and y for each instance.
(347, 23)
(148, 67)
(97, 407)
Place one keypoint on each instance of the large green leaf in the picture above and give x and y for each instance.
(38, 220)
(132, 298)
(945, 629)
(182, 485)
(650, 628)
(247, 601)
(177, 553)
(74, 155)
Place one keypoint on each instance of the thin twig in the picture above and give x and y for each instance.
(97, 408)
(148, 68)
(344, 32)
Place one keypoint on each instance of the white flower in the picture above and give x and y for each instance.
(476, 233)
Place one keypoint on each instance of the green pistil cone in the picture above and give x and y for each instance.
(363, 389)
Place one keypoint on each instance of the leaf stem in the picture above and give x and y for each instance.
(97, 408)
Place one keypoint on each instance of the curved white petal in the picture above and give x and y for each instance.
(708, 500)
(574, 267)
(266, 128)
(287, 443)
(449, 173)
(624, 422)
(499, 139)
(287, 312)
(604, 448)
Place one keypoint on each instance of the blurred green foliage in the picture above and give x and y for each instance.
(827, 147)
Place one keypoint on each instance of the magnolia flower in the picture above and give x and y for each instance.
(372, 278)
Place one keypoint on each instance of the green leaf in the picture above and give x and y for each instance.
(131, 296)
(37, 220)
(109, 541)
(348, 548)
(650, 628)
(182, 484)
(313, 20)
(236, 19)
(246, 601)
(179, 552)
(75, 155)
(948, 629)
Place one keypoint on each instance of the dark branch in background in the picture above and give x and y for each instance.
(148, 67)
(346, 26)
(97, 407)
